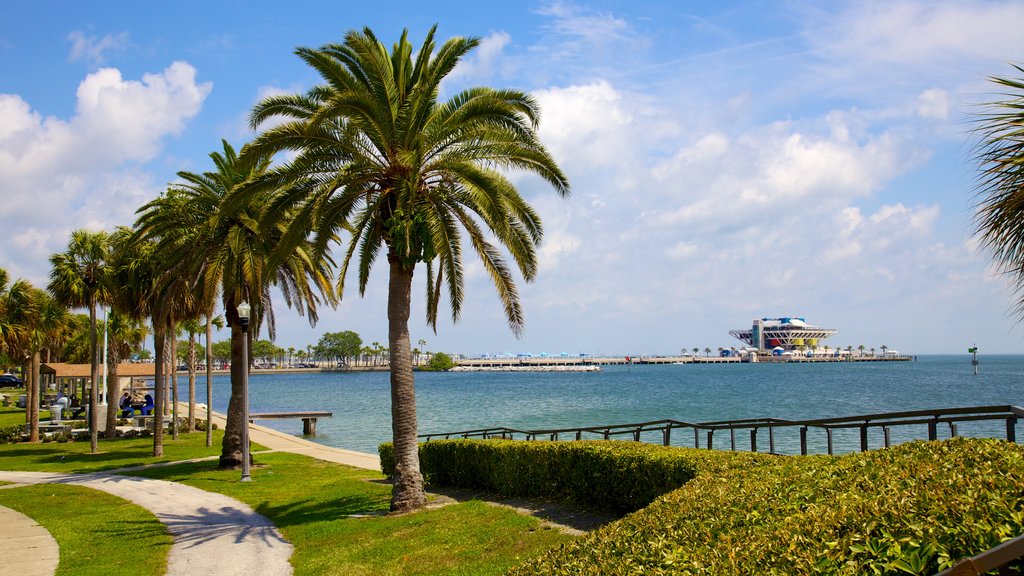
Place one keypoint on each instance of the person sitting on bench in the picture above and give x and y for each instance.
(76, 409)
(126, 406)
(147, 409)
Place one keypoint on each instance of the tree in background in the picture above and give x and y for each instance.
(440, 362)
(77, 281)
(999, 154)
(404, 175)
(124, 334)
(339, 345)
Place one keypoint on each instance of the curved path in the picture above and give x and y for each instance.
(213, 534)
(34, 551)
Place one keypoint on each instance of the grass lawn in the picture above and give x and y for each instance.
(335, 519)
(334, 515)
(116, 453)
(13, 416)
(98, 534)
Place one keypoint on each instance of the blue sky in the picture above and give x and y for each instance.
(728, 160)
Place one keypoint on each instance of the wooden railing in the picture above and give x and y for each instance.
(994, 559)
(931, 419)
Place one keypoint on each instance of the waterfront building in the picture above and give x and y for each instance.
(790, 333)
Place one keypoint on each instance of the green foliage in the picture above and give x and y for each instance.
(913, 509)
(222, 350)
(440, 362)
(265, 349)
(11, 434)
(345, 344)
(608, 475)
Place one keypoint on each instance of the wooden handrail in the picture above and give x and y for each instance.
(885, 420)
(992, 559)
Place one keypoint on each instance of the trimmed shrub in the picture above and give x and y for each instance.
(11, 434)
(917, 508)
(607, 475)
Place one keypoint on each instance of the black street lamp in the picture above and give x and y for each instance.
(243, 316)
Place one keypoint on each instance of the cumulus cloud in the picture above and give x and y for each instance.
(86, 171)
(92, 50)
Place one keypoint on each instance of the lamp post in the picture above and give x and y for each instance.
(243, 317)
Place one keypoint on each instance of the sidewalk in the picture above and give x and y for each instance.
(280, 441)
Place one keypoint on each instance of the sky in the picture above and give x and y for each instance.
(727, 160)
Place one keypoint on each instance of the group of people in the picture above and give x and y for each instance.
(128, 408)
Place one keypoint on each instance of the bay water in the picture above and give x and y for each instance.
(454, 401)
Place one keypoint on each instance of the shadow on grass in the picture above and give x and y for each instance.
(576, 518)
(42, 454)
(308, 511)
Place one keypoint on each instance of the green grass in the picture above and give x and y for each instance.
(334, 518)
(98, 534)
(13, 416)
(116, 453)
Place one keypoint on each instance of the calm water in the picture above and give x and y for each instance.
(466, 400)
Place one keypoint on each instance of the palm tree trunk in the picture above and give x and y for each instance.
(191, 382)
(407, 492)
(209, 383)
(159, 339)
(174, 381)
(94, 371)
(113, 393)
(231, 447)
(33, 397)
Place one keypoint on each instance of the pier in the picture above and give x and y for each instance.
(553, 361)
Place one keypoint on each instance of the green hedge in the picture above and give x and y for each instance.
(607, 475)
(913, 509)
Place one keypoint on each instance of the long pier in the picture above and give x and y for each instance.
(554, 361)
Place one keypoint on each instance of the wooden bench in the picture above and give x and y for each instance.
(308, 419)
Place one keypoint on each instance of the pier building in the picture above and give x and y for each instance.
(790, 333)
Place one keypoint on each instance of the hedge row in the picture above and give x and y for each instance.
(606, 475)
(913, 509)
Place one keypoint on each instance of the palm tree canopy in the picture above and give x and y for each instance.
(999, 153)
(380, 158)
(76, 275)
(225, 249)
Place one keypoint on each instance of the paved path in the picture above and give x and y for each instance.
(283, 442)
(31, 550)
(213, 534)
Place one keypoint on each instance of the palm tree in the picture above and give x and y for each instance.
(872, 351)
(695, 351)
(77, 281)
(217, 321)
(124, 334)
(191, 326)
(380, 157)
(707, 351)
(134, 271)
(860, 349)
(999, 153)
(884, 348)
(221, 247)
(30, 320)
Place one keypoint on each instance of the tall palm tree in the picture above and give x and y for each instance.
(77, 281)
(124, 334)
(409, 177)
(222, 248)
(135, 268)
(211, 321)
(999, 153)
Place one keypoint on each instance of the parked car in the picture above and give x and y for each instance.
(11, 381)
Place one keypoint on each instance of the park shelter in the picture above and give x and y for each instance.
(75, 378)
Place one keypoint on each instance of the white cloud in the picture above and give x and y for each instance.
(482, 63)
(91, 49)
(85, 171)
(933, 103)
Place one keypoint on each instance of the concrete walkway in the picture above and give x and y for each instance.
(283, 442)
(213, 534)
(31, 550)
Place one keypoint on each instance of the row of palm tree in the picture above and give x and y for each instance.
(379, 166)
